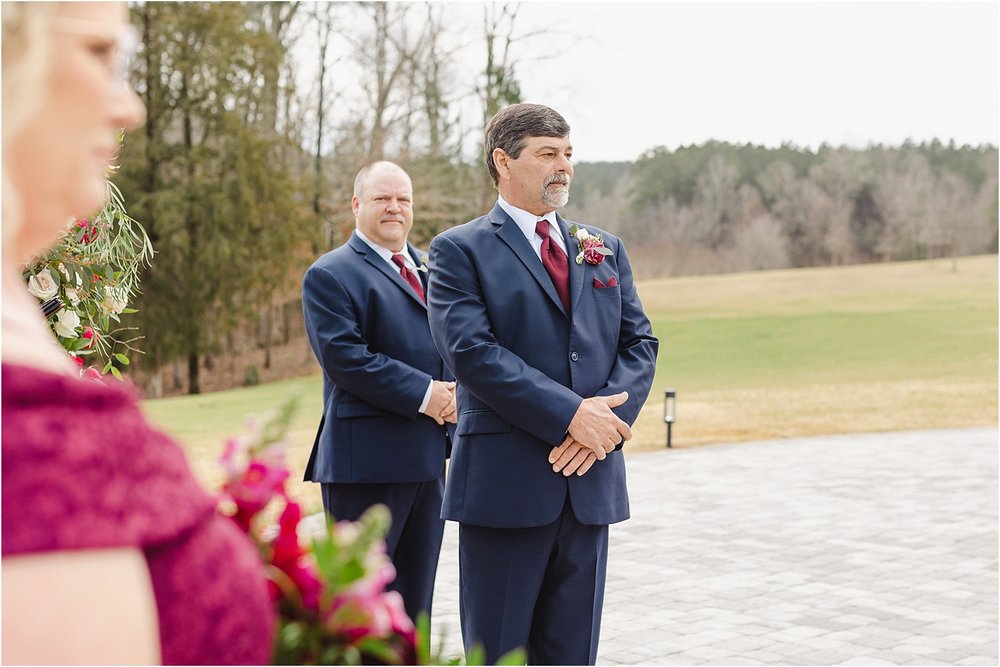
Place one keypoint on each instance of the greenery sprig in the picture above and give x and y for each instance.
(94, 270)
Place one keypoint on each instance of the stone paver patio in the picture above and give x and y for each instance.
(867, 549)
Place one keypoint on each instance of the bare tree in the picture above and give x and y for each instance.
(498, 86)
(841, 176)
(385, 54)
(760, 244)
(322, 18)
(718, 201)
(435, 85)
(276, 18)
(905, 193)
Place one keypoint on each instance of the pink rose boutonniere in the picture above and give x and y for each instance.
(591, 246)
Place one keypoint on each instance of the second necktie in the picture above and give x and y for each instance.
(555, 262)
(409, 276)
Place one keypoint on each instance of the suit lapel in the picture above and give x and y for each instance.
(383, 267)
(576, 271)
(510, 234)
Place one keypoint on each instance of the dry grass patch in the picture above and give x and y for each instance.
(754, 356)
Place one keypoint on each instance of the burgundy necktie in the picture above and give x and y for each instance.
(409, 276)
(555, 262)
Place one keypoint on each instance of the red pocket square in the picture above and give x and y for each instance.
(612, 282)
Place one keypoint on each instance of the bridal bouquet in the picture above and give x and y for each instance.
(330, 595)
(86, 281)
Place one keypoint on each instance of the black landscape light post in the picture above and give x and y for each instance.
(669, 411)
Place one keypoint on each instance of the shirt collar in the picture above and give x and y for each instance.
(384, 252)
(526, 221)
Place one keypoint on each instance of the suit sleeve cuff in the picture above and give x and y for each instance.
(427, 397)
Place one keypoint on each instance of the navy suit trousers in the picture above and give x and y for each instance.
(414, 539)
(540, 588)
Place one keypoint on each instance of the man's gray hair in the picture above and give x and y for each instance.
(510, 128)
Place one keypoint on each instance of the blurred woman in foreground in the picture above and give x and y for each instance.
(112, 553)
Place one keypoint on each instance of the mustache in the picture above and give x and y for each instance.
(562, 179)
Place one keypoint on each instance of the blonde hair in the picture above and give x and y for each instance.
(25, 66)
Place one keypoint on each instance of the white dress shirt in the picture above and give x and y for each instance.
(526, 223)
(387, 254)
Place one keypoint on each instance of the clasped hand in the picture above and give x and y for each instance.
(594, 432)
(441, 407)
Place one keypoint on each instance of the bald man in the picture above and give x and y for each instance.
(388, 402)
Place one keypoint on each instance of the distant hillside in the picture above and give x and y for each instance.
(719, 207)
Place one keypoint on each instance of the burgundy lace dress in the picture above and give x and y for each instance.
(82, 469)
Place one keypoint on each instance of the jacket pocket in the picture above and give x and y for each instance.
(473, 422)
(607, 292)
(359, 409)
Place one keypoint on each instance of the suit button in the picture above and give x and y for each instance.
(574, 356)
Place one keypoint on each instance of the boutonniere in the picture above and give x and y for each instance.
(591, 246)
(423, 264)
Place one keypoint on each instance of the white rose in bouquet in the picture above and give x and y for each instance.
(114, 300)
(67, 322)
(42, 285)
(73, 294)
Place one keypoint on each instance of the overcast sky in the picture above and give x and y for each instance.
(632, 75)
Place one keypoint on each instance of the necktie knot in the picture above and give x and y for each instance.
(542, 228)
(399, 260)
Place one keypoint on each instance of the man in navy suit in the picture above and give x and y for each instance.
(388, 402)
(554, 357)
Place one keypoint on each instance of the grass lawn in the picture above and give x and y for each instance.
(752, 356)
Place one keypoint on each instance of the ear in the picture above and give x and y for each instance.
(502, 161)
(355, 204)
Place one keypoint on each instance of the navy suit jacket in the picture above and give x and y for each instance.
(369, 331)
(524, 365)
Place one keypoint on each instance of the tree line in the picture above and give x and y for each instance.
(720, 207)
(244, 170)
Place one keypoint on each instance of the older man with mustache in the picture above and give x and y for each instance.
(539, 320)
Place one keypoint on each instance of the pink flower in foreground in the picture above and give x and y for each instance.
(288, 556)
(309, 585)
(286, 547)
(355, 617)
(401, 622)
(260, 483)
(233, 450)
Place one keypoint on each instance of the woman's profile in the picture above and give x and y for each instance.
(112, 553)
